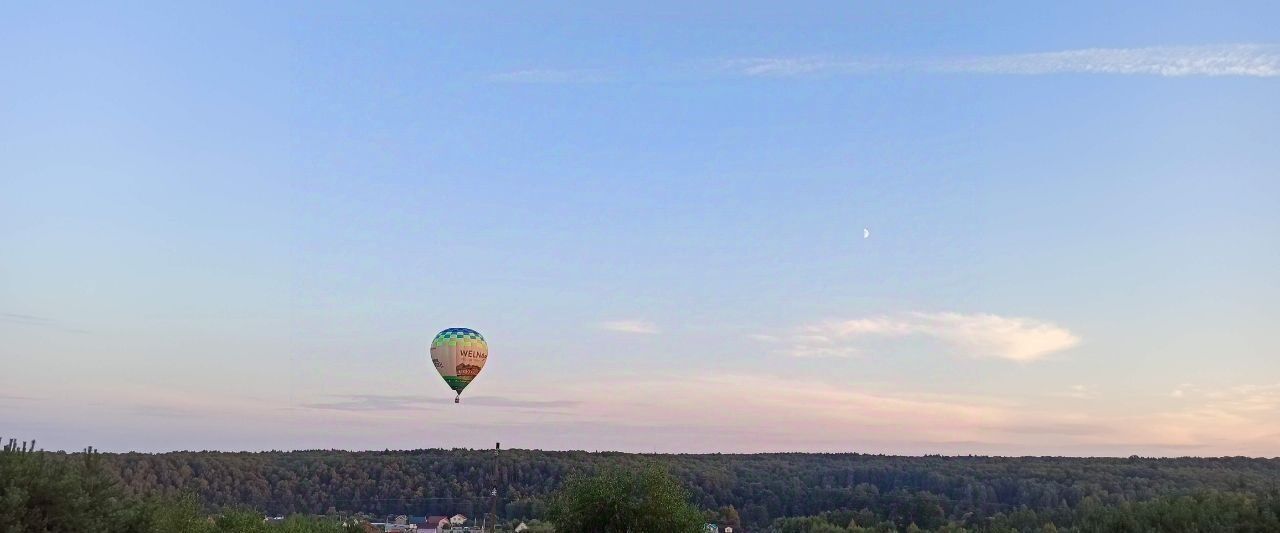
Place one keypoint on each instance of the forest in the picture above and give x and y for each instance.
(326, 490)
(781, 492)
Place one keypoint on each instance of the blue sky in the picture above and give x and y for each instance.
(239, 226)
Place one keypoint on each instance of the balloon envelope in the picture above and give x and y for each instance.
(459, 354)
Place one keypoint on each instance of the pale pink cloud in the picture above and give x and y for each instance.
(1245, 416)
(827, 416)
(978, 335)
(727, 412)
(643, 327)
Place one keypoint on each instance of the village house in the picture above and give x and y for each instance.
(432, 524)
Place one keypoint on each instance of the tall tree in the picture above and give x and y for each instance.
(728, 516)
(619, 500)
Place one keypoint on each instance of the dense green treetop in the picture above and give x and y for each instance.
(620, 500)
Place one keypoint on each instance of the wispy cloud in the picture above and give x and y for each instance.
(499, 401)
(1074, 429)
(974, 335)
(540, 75)
(1235, 420)
(1080, 392)
(1221, 60)
(751, 402)
(164, 411)
(14, 399)
(740, 411)
(17, 318)
(36, 322)
(1255, 60)
(1248, 60)
(1241, 416)
(783, 67)
(394, 402)
(643, 327)
(1247, 398)
(370, 402)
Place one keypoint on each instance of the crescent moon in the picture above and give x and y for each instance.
(866, 233)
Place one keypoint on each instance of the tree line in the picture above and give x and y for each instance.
(779, 492)
(57, 493)
(761, 487)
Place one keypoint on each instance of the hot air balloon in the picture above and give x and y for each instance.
(459, 354)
